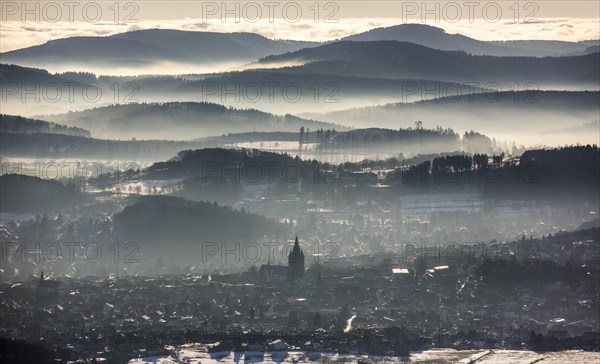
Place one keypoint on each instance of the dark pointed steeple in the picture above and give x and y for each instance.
(295, 262)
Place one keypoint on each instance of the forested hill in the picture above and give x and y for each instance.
(21, 193)
(178, 120)
(174, 221)
(18, 124)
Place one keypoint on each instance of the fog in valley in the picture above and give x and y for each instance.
(400, 194)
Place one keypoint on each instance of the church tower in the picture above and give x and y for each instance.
(295, 262)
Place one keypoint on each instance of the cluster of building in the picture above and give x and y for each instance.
(375, 304)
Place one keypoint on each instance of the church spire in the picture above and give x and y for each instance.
(295, 261)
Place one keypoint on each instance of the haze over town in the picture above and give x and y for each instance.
(299, 182)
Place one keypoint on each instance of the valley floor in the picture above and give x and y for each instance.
(195, 354)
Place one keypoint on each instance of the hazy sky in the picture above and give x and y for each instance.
(34, 22)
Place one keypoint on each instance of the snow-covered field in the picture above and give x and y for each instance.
(195, 354)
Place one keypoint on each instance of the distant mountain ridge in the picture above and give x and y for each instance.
(393, 60)
(552, 47)
(495, 114)
(155, 47)
(18, 124)
(325, 92)
(178, 121)
(152, 46)
(436, 38)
